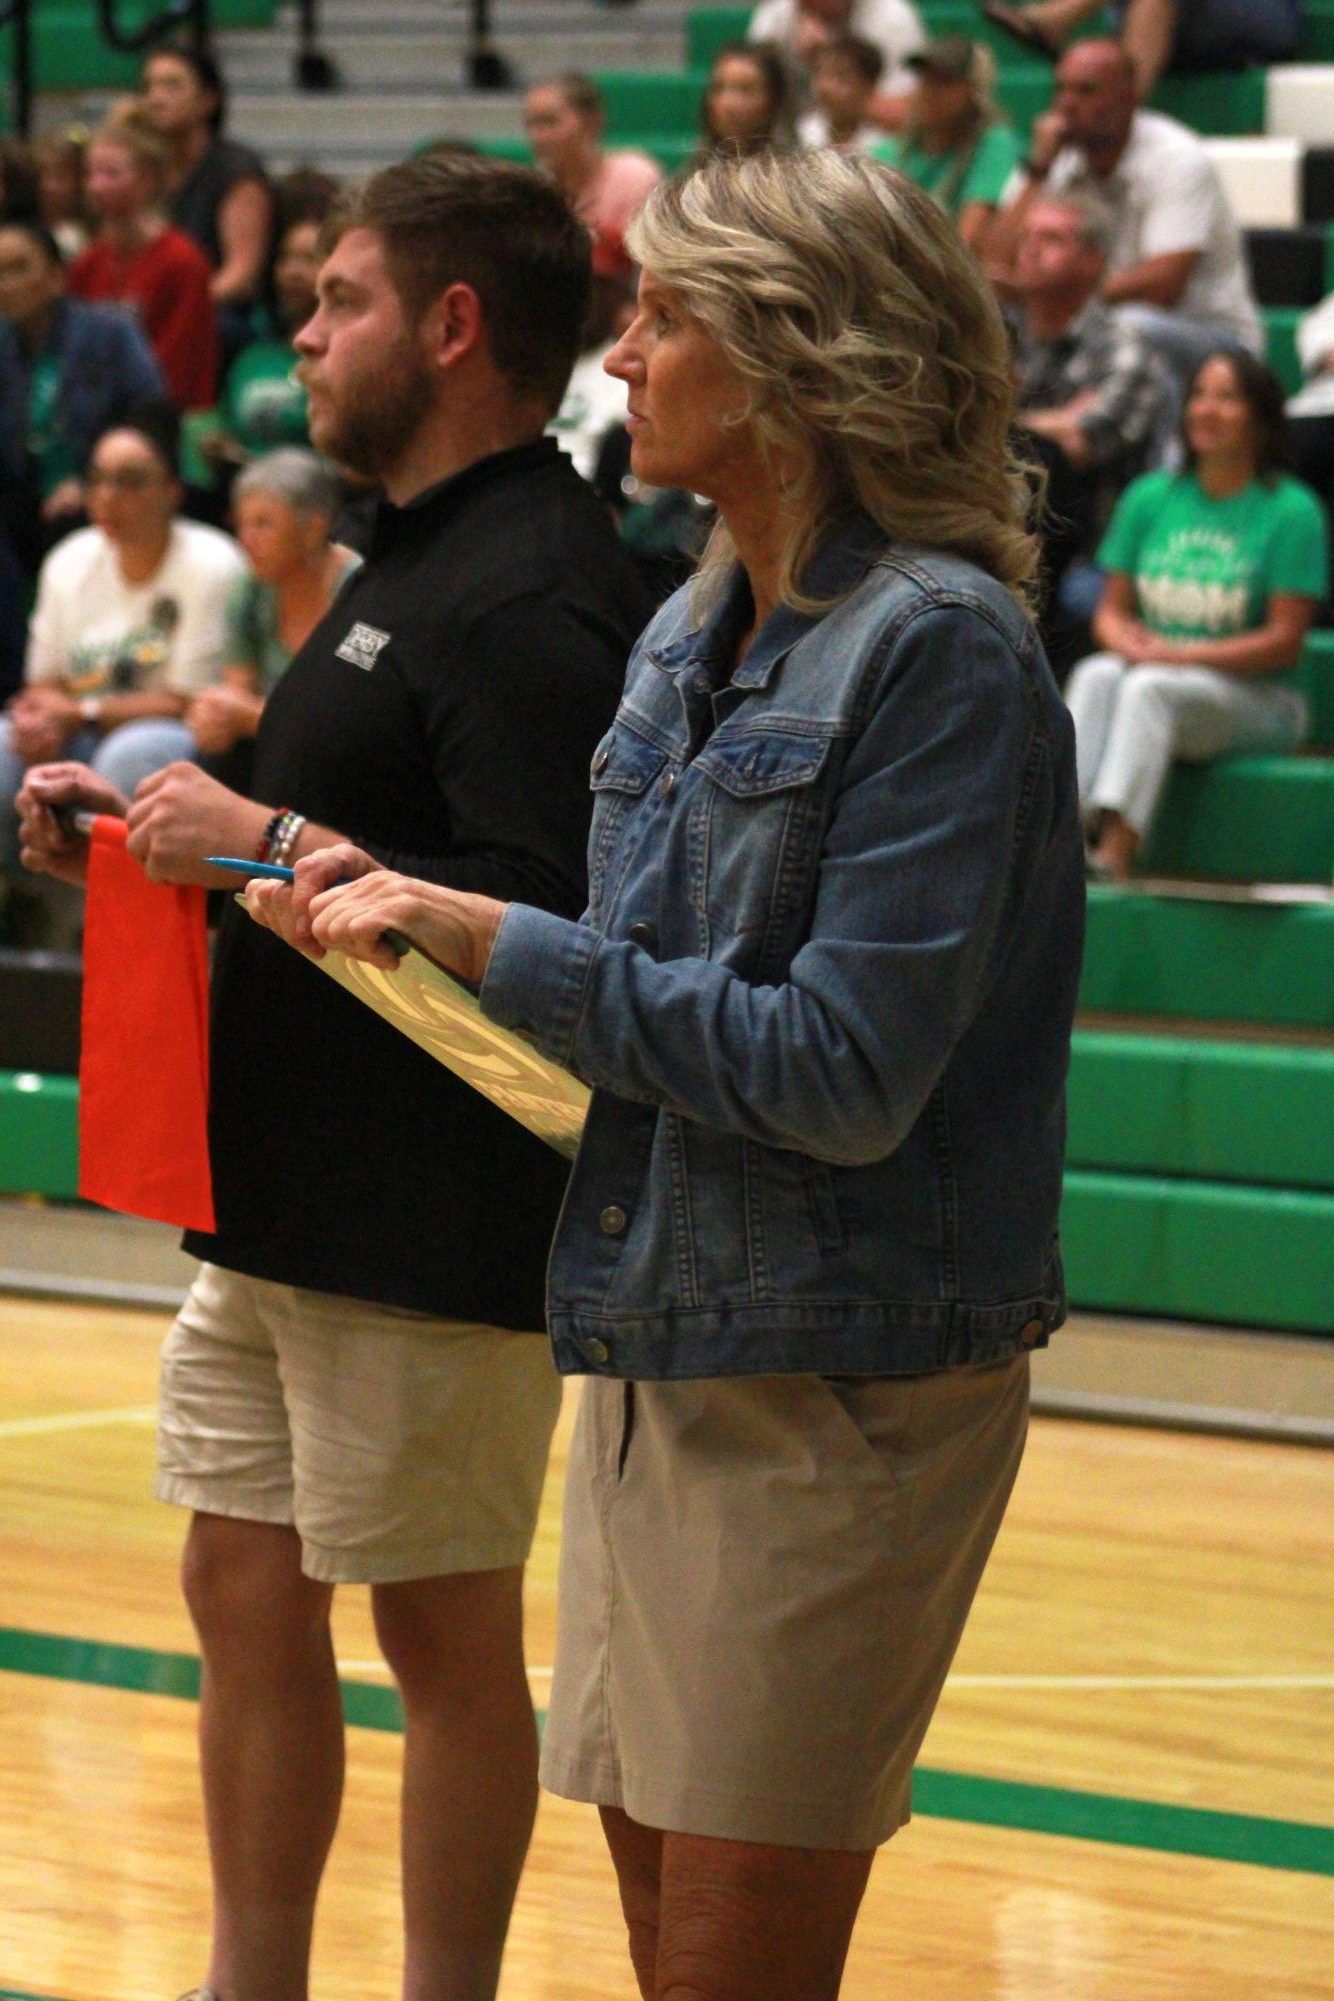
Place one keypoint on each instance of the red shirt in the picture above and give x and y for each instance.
(167, 285)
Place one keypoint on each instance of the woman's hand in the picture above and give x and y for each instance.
(455, 929)
(284, 908)
(220, 717)
(42, 719)
(44, 846)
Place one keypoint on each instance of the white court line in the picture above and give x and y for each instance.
(1166, 1682)
(77, 1420)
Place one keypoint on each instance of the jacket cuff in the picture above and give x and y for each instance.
(537, 976)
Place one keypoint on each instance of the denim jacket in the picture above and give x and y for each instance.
(823, 990)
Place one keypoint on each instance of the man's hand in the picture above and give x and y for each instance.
(180, 815)
(220, 717)
(1046, 136)
(42, 719)
(45, 847)
(67, 498)
(285, 907)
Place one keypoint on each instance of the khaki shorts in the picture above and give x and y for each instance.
(763, 1583)
(399, 1446)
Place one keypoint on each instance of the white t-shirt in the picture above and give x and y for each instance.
(593, 402)
(101, 635)
(1166, 196)
(892, 25)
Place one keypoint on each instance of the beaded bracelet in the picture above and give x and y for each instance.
(285, 840)
(266, 839)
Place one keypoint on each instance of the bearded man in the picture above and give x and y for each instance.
(353, 1391)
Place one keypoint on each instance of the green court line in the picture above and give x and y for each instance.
(1060, 1810)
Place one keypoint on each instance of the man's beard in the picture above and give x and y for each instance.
(373, 425)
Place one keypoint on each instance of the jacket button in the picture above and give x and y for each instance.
(643, 934)
(612, 1220)
(667, 784)
(595, 1350)
(600, 758)
(1032, 1332)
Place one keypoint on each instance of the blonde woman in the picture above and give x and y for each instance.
(956, 143)
(823, 995)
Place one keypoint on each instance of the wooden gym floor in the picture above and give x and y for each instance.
(1120, 1799)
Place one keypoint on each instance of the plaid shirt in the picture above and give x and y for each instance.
(1126, 427)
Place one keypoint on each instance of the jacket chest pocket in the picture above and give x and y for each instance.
(757, 828)
(624, 770)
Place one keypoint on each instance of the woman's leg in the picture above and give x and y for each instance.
(1091, 695)
(135, 750)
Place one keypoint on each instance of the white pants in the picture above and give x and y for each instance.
(1130, 722)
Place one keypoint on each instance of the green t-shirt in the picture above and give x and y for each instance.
(52, 457)
(262, 405)
(252, 636)
(1206, 569)
(963, 175)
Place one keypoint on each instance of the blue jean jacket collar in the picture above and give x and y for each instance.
(837, 565)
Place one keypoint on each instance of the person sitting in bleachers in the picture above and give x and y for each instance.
(138, 260)
(262, 404)
(216, 190)
(1214, 575)
(1164, 34)
(1311, 410)
(1177, 269)
(747, 103)
(799, 27)
(1091, 394)
(59, 158)
(20, 194)
(564, 117)
(283, 506)
(956, 144)
(68, 371)
(844, 75)
(128, 626)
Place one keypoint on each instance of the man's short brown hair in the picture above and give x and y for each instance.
(460, 219)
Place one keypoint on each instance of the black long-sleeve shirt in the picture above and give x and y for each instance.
(442, 716)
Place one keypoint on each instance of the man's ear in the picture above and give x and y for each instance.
(452, 327)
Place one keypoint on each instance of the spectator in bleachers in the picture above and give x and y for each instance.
(263, 404)
(283, 506)
(68, 371)
(800, 27)
(747, 102)
(956, 144)
(128, 626)
(1311, 410)
(60, 163)
(217, 191)
(1177, 269)
(1214, 575)
(594, 402)
(20, 198)
(844, 75)
(138, 260)
(564, 117)
(1164, 34)
(1092, 396)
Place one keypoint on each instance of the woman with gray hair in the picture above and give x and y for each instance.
(822, 994)
(283, 506)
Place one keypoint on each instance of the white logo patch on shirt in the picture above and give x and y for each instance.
(363, 646)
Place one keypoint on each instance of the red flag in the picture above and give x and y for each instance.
(143, 1065)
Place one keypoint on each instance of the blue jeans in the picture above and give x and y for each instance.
(1226, 34)
(123, 756)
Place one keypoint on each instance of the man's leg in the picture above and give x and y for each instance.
(735, 1920)
(271, 1749)
(455, 1645)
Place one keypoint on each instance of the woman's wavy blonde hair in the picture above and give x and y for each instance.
(876, 355)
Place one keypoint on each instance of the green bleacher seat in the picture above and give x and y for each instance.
(1271, 964)
(1244, 819)
(1281, 345)
(709, 29)
(1199, 1250)
(39, 1139)
(1215, 1110)
(1315, 678)
(1329, 257)
(1215, 101)
(1317, 43)
(649, 101)
(69, 52)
